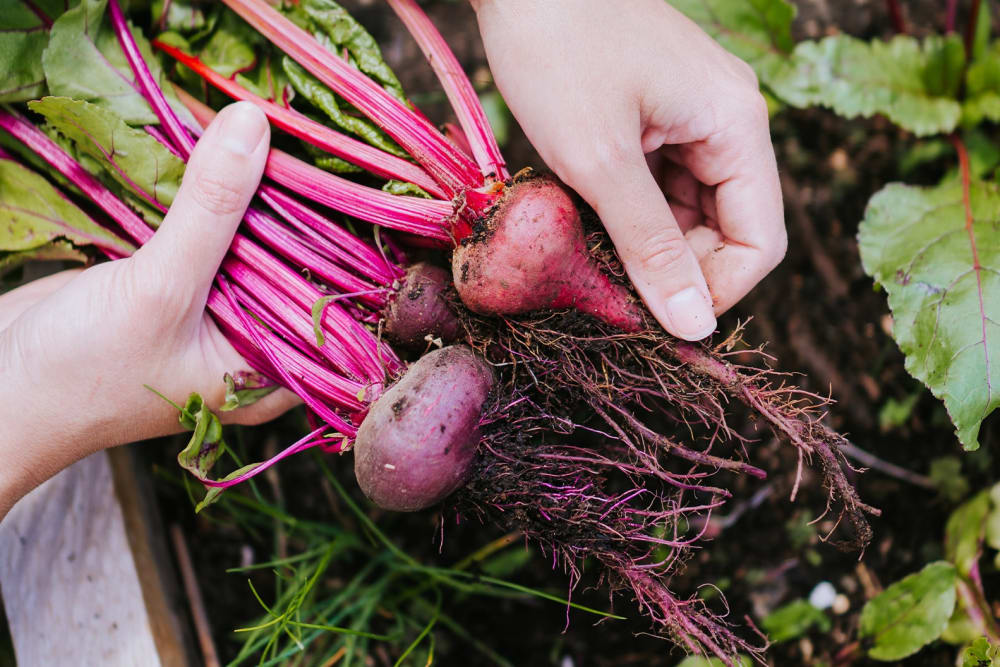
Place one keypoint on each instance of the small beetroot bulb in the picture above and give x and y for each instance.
(529, 253)
(418, 442)
(420, 308)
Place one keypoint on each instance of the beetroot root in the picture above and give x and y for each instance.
(418, 442)
(529, 253)
(420, 309)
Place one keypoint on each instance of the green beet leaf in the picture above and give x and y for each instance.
(914, 242)
(910, 614)
(965, 531)
(23, 37)
(336, 29)
(136, 160)
(321, 97)
(83, 60)
(33, 214)
(981, 653)
(913, 83)
(52, 251)
(757, 31)
(793, 620)
(982, 88)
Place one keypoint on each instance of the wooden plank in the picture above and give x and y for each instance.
(80, 578)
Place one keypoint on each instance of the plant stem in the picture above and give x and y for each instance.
(891, 469)
(970, 29)
(418, 137)
(150, 89)
(354, 151)
(950, 16)
(896, 16)
(457, 87)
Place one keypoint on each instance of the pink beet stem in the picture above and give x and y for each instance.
(454, 171)
(150, 88)
(348, 148)
(457, 87)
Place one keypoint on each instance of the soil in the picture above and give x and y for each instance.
(820, 318)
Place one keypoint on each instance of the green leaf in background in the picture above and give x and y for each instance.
(230, 49)
(982, 88)
(981, 653)
(794, 620)
(132, 157)
(404, 188)
(946, 473)
(914, 242)
(322, 98)
(83, 60)
(181, 16)
(698, 661)
(33, 214)
(336, 29)
(23, 38)
(913, 83)
(757, 31)
(53, 251)
(910, 614)
(965, 531)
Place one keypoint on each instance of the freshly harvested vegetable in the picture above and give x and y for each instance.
(420, 308)
(419, 440)
(562, 408)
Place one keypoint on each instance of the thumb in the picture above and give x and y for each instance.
(653, 249)
(221, 178)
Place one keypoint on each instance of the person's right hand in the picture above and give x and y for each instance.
(598, 85)
(76, 348)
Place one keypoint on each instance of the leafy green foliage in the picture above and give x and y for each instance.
(909, 614)
(981, 653)
(698, 661)
(38, 221)
(339, 32)
(916, 244)
(54, 251)
(946, 473)
(23, 38)
(965, 531)
(794, 620)
(83, 60)
(321, 97)
(244, 389)
(136, 160)
(914, 84)
(757, 31)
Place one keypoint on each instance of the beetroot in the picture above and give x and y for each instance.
(418, 442)
(419, 308)
(529, 253)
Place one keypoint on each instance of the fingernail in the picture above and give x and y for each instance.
(690, 315)
(242, 128)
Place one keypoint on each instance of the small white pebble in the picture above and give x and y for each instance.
(389, 466)
(841, 604)
(823, 595)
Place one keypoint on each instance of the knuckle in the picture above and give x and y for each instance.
(218, 194)
(661, 253)
(594, 164)
(746, 72)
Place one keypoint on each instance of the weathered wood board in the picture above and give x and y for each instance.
(83, 578)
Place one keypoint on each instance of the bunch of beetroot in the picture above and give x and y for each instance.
(538, 395)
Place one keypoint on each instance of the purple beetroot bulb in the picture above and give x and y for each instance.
(417, 444)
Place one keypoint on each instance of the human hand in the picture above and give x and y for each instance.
(597, 86)
(76, 348)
